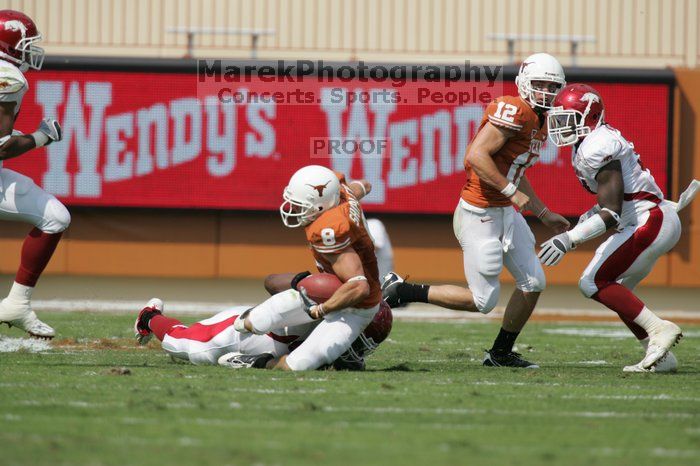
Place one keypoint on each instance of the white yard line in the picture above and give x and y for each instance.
(416, 312)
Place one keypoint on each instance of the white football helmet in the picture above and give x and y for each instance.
(311, 191)
(539, 67)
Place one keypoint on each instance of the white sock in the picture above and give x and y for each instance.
(648, 320)
(281, 310)
(20, 293)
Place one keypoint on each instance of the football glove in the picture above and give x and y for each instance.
(49, 131)
(307, 303)
(554, 249)
(299, 277)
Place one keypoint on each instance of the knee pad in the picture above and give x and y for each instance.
(536, 281)
(486, 302)
(23, 184)
(587, 285)
(490, 257)
(56, 217)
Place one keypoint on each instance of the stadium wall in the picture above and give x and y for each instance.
(225, 243)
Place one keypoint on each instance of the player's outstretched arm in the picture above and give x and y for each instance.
(479, 157)
(12, 146)
(348, 267)
(551, 219)
(610, 196)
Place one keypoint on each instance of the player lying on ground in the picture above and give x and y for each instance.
(489, 230)
(215, 340)
(328, 208)
(21, 200)
(630, 201)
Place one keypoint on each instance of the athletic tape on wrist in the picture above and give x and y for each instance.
(358, 278)
(509, 190)
(590, 228)
(40, 139)
(613, 213)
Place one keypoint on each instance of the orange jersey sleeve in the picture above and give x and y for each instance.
(509, 112)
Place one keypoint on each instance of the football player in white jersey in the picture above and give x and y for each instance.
(216, 341)
(629, 200)
(20, 199)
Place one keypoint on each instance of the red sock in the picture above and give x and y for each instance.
(37, 250)
(621, 300)
(161, 325)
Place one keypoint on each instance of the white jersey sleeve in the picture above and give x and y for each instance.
(599, 149)
(13, 84)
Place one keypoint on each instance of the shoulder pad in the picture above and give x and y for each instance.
(330, 232)
(508, 112)
(599, 148)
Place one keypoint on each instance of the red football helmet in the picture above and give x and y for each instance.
(18, 34)
(376, 332)
(577, 110)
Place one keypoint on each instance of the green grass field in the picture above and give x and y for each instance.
(424, 400)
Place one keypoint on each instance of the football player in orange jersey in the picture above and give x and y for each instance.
(328, 208)
(490, 231)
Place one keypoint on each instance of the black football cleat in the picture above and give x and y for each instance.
(495, 358)
(390, 293)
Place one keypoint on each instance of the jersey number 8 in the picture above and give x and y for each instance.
(328, 236)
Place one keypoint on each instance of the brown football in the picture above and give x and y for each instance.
(320, 286)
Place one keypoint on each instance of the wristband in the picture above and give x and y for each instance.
(40, 139)
(362, 186)
(543, 212)
(612, 213)
(509, 190)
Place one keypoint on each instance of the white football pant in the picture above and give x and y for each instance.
(332, 336)
(209, 339)
(22, 200)
(628, 256)
(491, 238)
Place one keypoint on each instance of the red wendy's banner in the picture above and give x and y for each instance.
(165, 140)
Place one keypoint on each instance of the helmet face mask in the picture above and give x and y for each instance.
(295, 212)
(18, 36)
(542, 93)
(565, 127)
(32, 56)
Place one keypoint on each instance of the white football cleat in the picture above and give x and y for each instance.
(660, 341)
(665, 365)
(22, 316)
(235, 360)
